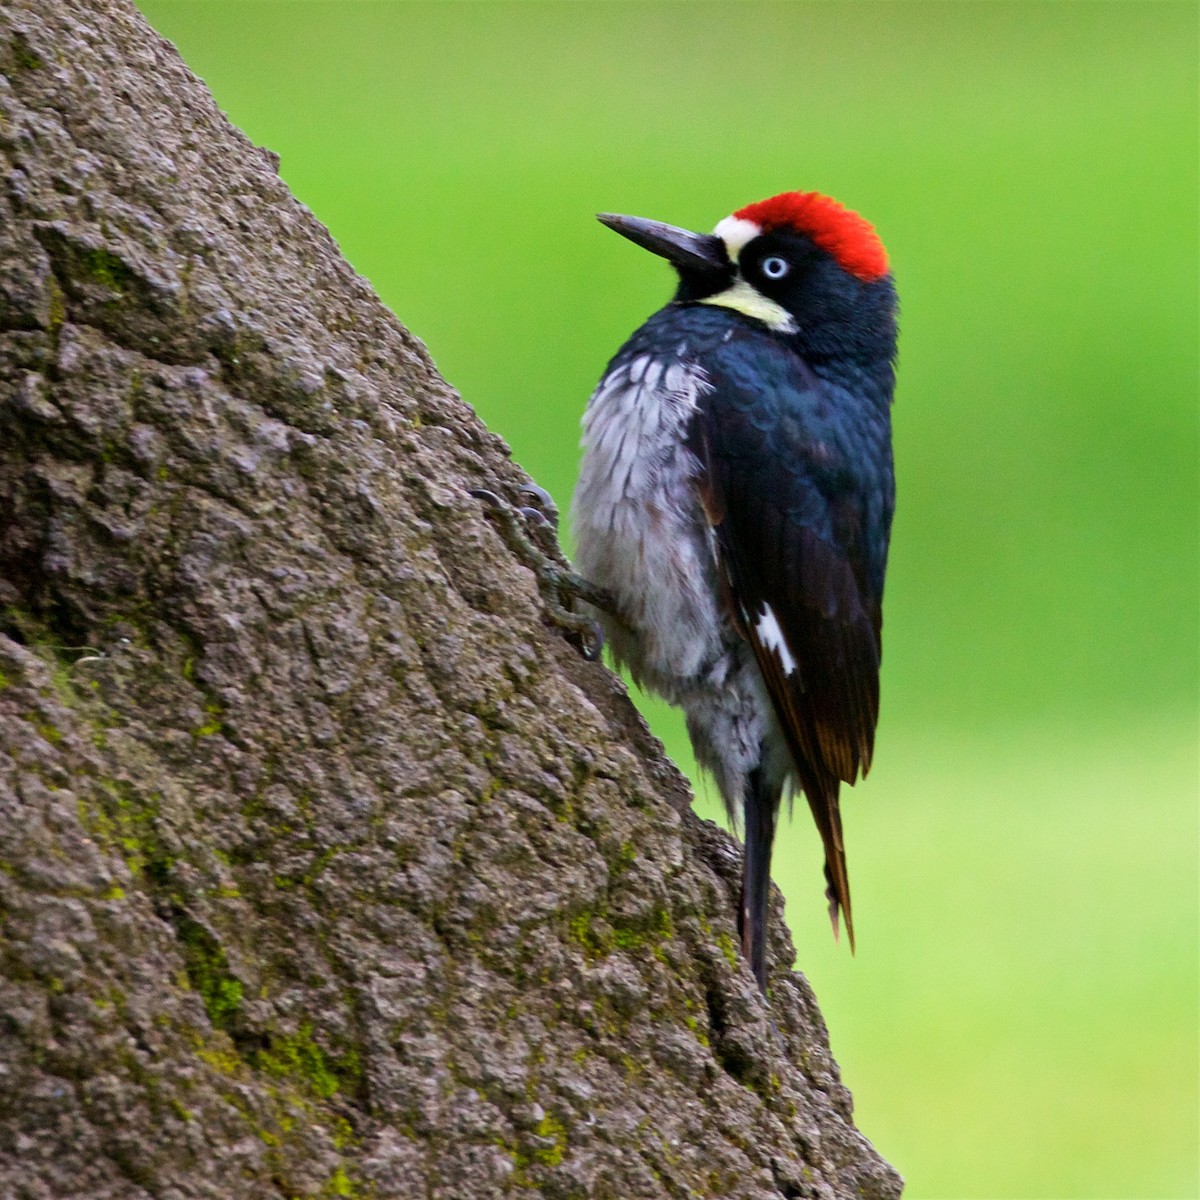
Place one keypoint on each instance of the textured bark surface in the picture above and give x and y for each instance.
(326, 867)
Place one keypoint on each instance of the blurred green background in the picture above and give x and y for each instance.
(1021, 1018)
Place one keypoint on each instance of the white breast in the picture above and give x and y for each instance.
(640, 532)
(638, 525)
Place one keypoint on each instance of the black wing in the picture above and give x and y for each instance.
(796, 480)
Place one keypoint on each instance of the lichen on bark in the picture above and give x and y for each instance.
(326, 867)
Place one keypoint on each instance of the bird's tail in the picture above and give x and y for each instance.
(762, 812)
(822, 796)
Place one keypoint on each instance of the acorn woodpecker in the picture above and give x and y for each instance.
(735, 501)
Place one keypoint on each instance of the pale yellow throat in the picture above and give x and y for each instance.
(743, 298)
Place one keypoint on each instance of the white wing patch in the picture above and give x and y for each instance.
(771, 636)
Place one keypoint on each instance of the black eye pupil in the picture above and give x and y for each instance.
(774, 268)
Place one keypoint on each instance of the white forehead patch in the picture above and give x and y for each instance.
(771, 636)
(735, 232)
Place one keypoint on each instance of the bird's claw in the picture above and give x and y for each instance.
(531, 533)
(543, 502)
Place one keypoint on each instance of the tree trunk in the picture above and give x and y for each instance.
(327, 867)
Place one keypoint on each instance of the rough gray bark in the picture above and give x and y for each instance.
(326, 868)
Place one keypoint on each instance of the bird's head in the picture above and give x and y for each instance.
(803, 265)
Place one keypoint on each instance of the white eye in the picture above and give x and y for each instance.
(774, 267)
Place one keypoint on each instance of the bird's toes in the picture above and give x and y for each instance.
(531, 533)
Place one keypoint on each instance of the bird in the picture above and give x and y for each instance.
(734, 504)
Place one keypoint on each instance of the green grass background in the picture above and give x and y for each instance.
(1021, 1017)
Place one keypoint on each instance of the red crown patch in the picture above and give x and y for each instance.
(851, 239)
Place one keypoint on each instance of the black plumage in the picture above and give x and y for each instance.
(736, 498)
(796, 472)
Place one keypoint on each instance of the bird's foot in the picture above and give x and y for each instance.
(531, 533)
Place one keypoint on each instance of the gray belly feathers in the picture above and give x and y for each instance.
(641, 533)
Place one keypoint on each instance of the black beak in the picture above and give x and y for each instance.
(685, 250)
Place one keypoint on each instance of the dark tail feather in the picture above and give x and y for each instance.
(762, 811)
(828, 817)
